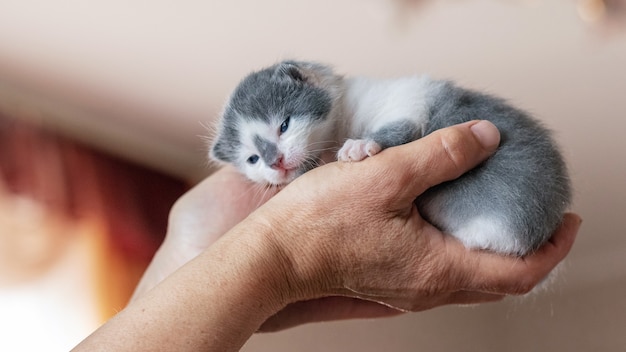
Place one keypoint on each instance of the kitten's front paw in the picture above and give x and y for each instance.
(358, 149)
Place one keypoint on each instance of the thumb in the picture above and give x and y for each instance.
(443, 155)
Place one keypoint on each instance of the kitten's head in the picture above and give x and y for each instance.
(278, 121)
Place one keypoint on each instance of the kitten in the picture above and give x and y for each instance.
(280, 120)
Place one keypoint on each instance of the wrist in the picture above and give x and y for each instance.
(299, 256)
(263, 264)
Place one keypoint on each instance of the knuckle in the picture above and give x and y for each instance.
(390, 178)
(455, 146)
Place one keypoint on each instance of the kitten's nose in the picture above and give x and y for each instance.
(279, 163)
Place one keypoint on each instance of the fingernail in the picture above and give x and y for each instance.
(487, 134)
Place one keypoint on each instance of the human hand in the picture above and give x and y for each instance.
(344, 229)
(200, 217)
(366, 239)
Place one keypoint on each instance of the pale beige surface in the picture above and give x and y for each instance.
(139, 78)
(583, 320)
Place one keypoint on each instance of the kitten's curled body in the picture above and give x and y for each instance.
(280, 120)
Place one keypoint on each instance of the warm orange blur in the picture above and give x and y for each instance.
(71, 214)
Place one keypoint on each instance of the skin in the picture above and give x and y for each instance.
(342, 241)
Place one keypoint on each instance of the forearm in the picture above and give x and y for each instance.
(213, 303)
(163, 264)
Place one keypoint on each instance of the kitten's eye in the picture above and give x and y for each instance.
(285, 125)
(253, 159)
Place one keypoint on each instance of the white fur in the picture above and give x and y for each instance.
(487, 232)
(371, 104)
(247, 130)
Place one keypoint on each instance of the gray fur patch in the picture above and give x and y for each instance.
(268, 150)
(279, 91)
(226, 146)
(396, 133)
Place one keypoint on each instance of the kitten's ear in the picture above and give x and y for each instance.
(221, 151)
(291, 70)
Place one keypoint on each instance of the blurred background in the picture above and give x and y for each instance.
(104, 108)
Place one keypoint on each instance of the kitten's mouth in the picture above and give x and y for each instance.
(286, 173)
(284, 176)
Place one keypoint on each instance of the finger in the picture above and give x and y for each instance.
(469, 297)
(325, 309)
(443, 155)
(488, 272)
(421, 303)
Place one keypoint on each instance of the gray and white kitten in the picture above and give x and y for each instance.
(280, 120)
